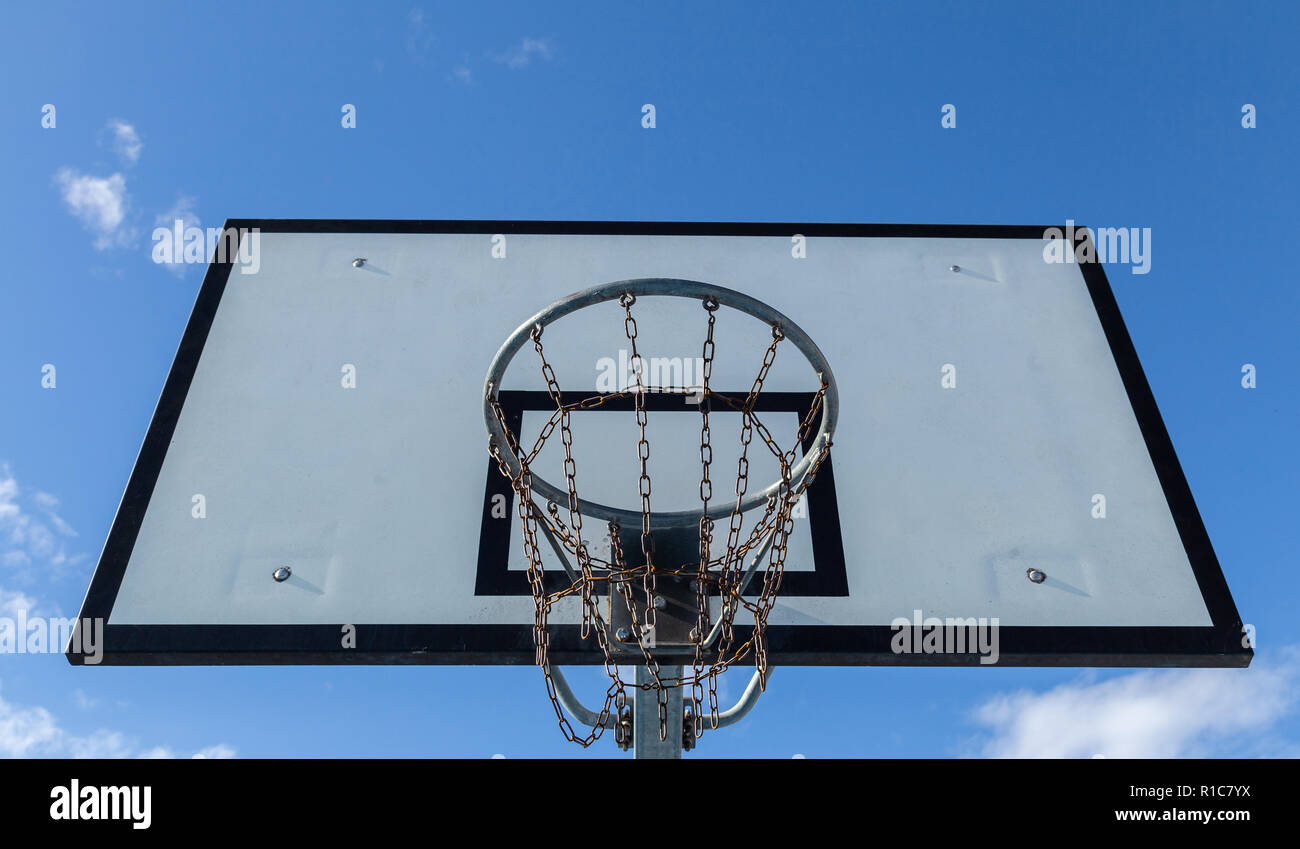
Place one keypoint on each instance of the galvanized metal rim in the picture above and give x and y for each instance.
(675, 288)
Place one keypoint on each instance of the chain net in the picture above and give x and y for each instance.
(720, 573)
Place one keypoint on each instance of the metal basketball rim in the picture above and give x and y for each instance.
(662, 287)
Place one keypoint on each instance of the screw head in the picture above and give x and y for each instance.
(282, 574)
(954, 268)
(358, 262)
(623, 634)
(660, 602)
(1036, 575)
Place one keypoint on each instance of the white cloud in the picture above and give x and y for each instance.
(8, 495)
(126, 141)
(182, 209)
(47, 503)
(1167, 713)
(523, 55)
(28, 732)
(14, 603)
(14, 559)
(418, 37)
(32, 731)
(100, 202)
(463, 74)
(219, 751)
(61, 526)
(30, 529)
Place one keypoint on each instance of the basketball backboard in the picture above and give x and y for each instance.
(315, 488)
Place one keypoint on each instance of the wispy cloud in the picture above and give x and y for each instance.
(522, 55)
(1170, 713)
(419, 38)
(463, 74)
(33, 732)
(125, 140)
(14, 604)
(32, 536)
(32, 533)
(182, 209)
(47, 504)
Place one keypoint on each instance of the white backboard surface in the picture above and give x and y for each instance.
(327, 417)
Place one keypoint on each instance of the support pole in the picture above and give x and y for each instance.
(645, 717)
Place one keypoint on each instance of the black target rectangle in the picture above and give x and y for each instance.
(828, 577)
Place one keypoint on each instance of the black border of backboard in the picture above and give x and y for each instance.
(1219, 644)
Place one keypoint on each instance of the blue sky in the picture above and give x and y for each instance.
(1117, 114)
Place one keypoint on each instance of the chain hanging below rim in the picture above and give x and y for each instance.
(717, 575)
